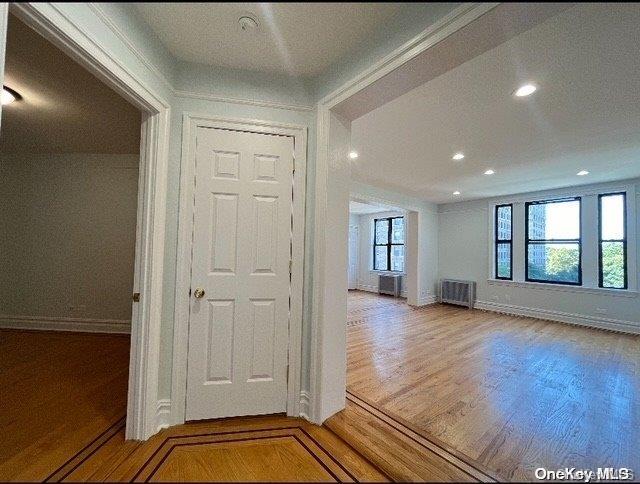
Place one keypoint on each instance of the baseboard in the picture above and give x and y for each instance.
(367, 287)
(561, 317)
(427, 300)
(374, 288)
(305, 404)
(82, 325)
(163, 414)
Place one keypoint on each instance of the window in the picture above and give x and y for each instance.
(503, 242)
(553, 241)
(612, 247)
(388, 245)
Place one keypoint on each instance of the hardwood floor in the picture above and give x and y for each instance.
(437, 394)
(272, 448)
(62, 417)
(59, 390)
(503, 394)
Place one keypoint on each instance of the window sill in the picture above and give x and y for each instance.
(387, 273)
(565, 288)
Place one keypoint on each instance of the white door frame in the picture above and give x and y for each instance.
(357, 254)
(49, 21)
(185, 233)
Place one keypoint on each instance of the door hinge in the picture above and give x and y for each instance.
(290, 266)
(136, 297)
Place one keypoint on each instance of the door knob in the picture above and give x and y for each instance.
(198, 293)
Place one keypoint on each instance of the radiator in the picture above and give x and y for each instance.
(389, 284)
(462, 293)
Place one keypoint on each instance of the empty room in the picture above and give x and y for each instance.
(69, 155)
(249, 242)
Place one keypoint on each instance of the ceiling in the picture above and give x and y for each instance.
(64, 108)
(361, 208)
(585, 115)
(298, 39)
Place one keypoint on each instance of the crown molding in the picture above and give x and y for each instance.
(186, 93)
(249, 102)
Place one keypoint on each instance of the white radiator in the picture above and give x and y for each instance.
(389, 284)
(462, 293)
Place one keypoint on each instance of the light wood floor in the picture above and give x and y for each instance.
(59, 390)
(436, 394)
(503, 394)
(62, 419)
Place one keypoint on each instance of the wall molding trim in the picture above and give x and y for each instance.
(95, 7)
(305, 404)
(163, 414)
(80, 325)
(561, 317)
(203, 96)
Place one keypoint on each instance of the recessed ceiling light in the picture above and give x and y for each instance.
(582, 173)
(353, 155)
(9, 95)
(489, 172)
(458, 156)
(456, 192)
(525, 90)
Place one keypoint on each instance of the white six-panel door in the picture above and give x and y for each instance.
(238, 329)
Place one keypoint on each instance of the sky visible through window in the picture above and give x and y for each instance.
(563, 219)
(613, 217)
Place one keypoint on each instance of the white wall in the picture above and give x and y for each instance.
(68, 235)
(465, 252)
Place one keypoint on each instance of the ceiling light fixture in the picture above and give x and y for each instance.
(353, 155)
(489, 172)
(456, 192)
(9, 95)
(248, 22)
(458, 156)
(582, 173)
(525, 90)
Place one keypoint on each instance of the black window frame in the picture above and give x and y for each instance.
(389, 243)
(623, 240)
(528, 241)
(497, 241)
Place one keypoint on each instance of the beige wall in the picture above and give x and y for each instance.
(68, 235)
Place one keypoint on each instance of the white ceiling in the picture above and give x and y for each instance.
(64, 108)
(361, 208)
(300, 39)
(586, 114)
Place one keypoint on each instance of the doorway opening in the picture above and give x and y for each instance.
(70, 177)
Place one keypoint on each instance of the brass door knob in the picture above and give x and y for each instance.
(198, 293)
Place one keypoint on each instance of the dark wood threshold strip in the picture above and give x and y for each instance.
(86, 452)
(235, 432)
(454, 457)
(172, 441)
